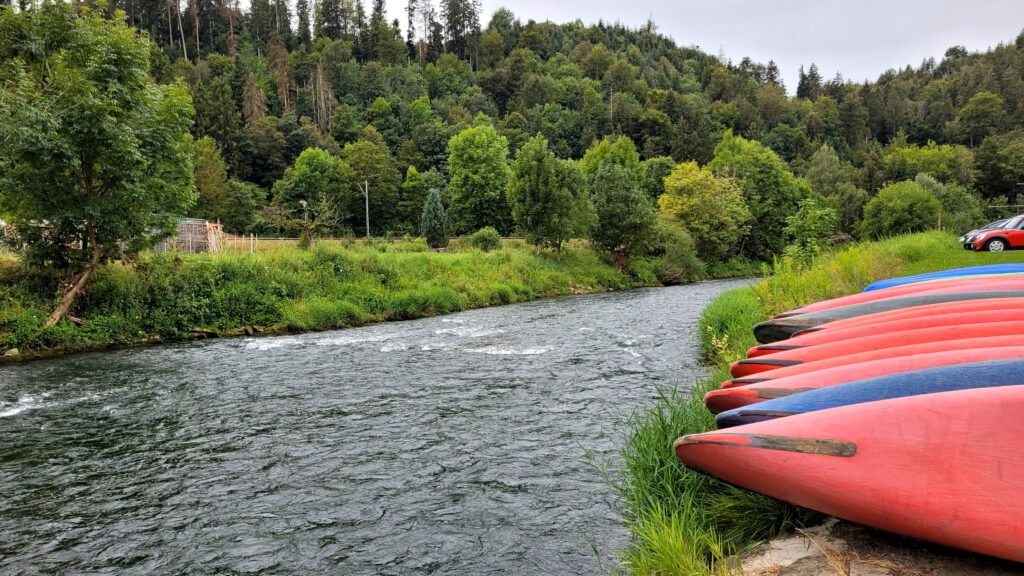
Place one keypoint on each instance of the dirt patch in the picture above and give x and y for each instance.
(844, 549)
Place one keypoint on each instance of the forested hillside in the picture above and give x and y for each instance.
(307, 101)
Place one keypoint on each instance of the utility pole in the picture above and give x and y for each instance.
(365, 189)
(611, 109)
(305, 222)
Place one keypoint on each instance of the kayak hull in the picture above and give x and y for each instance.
(987, 374)
(782, 328)
(955, 346)
(835, 334)
(1012, 282)
(953, 474)
(739, 396)
(987, 270)
(749, 366)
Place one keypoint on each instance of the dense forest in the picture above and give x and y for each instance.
(315, 104)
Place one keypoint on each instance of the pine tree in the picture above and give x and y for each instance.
(410, 25)
(302, 8)
(282, 21)
(254, 101)
(461, 25)
(277, 61)
(327, 19)
(261, 16)
(434, 221)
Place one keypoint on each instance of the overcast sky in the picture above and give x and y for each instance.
(860, 39)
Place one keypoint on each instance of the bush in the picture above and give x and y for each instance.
(961, 210)
(810, 230)
(486, 239)
(677, 260)
(900, 208)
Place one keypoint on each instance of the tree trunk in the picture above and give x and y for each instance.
(181, 31)
(69, 297)
(195, 22)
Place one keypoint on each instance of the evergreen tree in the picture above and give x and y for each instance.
(302, 10)
(461, 26)
(217, 117)
(434, 221)
(809, 85)
(328, 19)
(211, 176)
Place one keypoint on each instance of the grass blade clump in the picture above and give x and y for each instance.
(688, 523)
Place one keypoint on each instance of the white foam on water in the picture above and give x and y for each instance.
(24, 403)
(499, 351)
(468, 331)
(394, 347)
(264, 344)
(429, 347)
(452, 320)
(349, 340)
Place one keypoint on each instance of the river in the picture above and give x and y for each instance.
(448, 445)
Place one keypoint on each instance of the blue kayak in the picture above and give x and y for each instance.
(988, 270)
(941, 379)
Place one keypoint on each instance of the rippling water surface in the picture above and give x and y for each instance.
(451, 445)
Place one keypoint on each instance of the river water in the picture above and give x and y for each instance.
(449, 445)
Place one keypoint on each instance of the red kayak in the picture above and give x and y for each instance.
(834, 334)
(940, 308)
(944, 467)
(951, 346)
(1010, 331)
(939, 286)
(738, 396)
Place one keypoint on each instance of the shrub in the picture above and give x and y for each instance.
(961, 210)
(677, 260)
(899, 209)
(810, 229)
(486, 239)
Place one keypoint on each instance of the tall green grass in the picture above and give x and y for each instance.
(685, 523)
(174, 296)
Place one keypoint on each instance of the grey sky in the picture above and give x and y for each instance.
(859, 39)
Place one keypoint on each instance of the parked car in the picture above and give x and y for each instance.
(997, 236)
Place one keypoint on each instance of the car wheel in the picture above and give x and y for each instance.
(996, 245)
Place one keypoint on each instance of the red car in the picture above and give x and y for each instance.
(997, 236)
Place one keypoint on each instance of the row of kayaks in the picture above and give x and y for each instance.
(900, 407)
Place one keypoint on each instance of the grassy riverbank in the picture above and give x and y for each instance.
(684, 523)
(176, 297)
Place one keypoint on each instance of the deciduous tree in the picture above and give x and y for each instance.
(478, 165)
(95, 156)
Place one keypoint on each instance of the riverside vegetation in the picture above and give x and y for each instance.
(170, 297)
(686, 523)
(282, 117)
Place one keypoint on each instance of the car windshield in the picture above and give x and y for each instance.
(1012, 223)
(995, 225)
